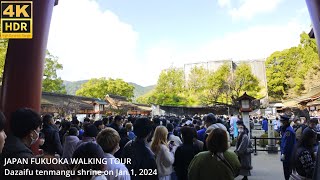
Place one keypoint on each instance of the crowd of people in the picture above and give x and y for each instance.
(161, 147)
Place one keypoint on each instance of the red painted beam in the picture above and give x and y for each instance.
(314, 11)
(23, 71)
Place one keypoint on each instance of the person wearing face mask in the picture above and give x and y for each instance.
(24, 127)
(244, 150)
(288, 140)
(109, 140)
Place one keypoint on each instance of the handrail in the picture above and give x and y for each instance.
(255, 144)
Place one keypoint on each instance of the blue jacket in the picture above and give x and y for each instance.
(265, 125)
(201, 134)
(288, 140)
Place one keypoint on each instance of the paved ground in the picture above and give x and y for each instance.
(265, 167)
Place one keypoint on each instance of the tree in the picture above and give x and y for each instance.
(99, 88)
(217, 85)
(3, 52)
(51, 81)
(170, 89)
(293, 71)
(197, 79)
(242, 81)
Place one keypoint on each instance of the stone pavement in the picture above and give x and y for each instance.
(265, 167)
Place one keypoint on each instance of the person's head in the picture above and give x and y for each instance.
(47, 120)
(211, 119)
(170, 127)
(105, 121)
(90, 131)
(129, 126)
(187, 135)
(123, 133)
(86, 119)
(109, 140)
(241, 127)
(75, 120)
(313, 123)
(118, 120)
(66, 125)
(88, 151)
(308, 139)
(194, 132)
(3, 135)
(217, 141)
(99, 124)
(284, 120)
(142, 128)
(159, 137)
(73, 132)
(25, 124)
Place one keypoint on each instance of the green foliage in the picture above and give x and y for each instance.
(263, 142)
(243, 81)
(234, 142)
(99, 88)
(73, 86)
(202, 87)
(51, 82)
(197, 80)
(293, 71)
(170, 89)
(3, 52)
(217, 86)
(138, 91)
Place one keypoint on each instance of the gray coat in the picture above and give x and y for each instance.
(244, 155)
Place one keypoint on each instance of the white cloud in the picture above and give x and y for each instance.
(98, 44)
(224, 3)
(90, 42)
(249, 8)
(253, 43)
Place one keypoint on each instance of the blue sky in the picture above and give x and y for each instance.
(135, 40)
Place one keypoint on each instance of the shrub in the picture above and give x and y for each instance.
(263, 142)
(234, 142)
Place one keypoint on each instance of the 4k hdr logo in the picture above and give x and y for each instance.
(16, 19)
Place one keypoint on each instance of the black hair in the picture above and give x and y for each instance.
(2, 121)
(86, 119)
(170, 127)
(123, 132)
(117, 118)
(142, 127)
(73, 131)
(98, 123)
(23, 121)
(86, 151)
(211, 118)
(46, 119)
(105, 121)
(90, 131)
(187, 135)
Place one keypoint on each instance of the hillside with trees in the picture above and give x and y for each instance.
(294, 71)
(203, 87)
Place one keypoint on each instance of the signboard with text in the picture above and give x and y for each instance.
(16, 19)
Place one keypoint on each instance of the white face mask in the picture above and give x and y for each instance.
(35, 139)
(240, 130)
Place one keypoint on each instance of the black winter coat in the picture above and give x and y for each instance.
(52, 144)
